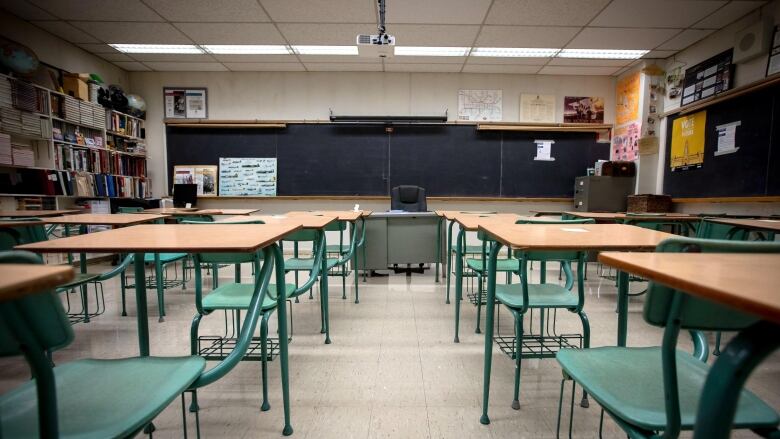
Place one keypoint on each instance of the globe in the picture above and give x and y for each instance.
(18, 58)
(136, 105)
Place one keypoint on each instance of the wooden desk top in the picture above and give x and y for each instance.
(308, 221)
(450, 214)
(341, 215)
(748, 282)
(471, 222)
(190, 212)
(19, 280)
(100, 219)
(165, 238)
(616, 216)
(754, 224)
(574, 237)
(36, 213)
(547, 212)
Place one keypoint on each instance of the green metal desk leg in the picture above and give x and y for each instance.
(355, 266)
(718, 400)
(83, 288)
(489, 311)
(458, 280)
(324, 291)
(160, 288)
(622, 306)
(281, 313)
(438, 247)
(449, 258)
(140, 303)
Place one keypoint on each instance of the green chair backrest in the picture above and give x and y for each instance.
(224, 258)
(302, 235)
(711, 230)
(336, 226)
(130, 209)
(37, 322)
(697, 313)
(13, 236)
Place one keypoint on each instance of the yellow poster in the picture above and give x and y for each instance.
(627, 96)
(688, 141)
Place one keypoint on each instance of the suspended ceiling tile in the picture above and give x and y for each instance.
(656, 13)
(113, 57)
(231, 33)
(525, 36)
(620, 38)
(405, 67)
(132, 66)
(728, 14)
(321, 11)
(99, 10)
(582, 70)
(343, 67)
(133, 33)
(446, 35)
(437, 11)
(256, 58)
(186, 66)
(265, 66)
(426, 60)
(325, 34)
(209, 10)
(544, 12)
(335, 59)
(501, 68)
(66, 31)
(590, 62)
(25, 10)
(507, 60)
(685, 39)
(171, 57)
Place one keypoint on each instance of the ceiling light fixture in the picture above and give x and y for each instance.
(431, 51)
(601, 53)
(246, 49)
(157, 48)
(325, 50)
(513, 52)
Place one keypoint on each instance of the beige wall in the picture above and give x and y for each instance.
(311, 96)
(57, 52)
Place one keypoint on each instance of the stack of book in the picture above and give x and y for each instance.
(23, 155)
(6, 157)
(6, 101)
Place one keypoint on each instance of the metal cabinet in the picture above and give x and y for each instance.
(602, 194)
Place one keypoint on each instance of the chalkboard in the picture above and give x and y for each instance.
(447, 160)
(750, 171)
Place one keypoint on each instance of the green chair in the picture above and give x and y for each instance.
(343, 252)
(83, 398)
(466, 250)
(521, 298)
(654, 392)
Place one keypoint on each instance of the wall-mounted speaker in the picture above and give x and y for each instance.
(753, 41)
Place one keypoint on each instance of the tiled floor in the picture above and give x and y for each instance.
(392, 371)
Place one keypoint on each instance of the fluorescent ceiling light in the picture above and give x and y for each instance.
(157, 48)
(513, 52)
(246, 49)
(601, 53)
(325, 50)
(431, 51)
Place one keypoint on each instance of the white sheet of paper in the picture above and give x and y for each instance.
(573, 229)
(543, 150)
(727, 134)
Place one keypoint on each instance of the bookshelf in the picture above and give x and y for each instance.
(57, 149)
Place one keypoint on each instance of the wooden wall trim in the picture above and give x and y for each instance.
(761, 199)
(387, 198)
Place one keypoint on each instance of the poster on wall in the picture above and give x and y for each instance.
(625, 142)
(773, 63)
(708, 78)
(247, 176)
(578, 109)
(480, 105)
(204, 176)
(627, 99)
(537, 108)
(687, 150)
(185, 103)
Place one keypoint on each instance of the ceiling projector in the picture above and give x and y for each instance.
(376, 46)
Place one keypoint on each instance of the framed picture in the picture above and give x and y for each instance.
(773, 64)
(205, 176)
(185, 103)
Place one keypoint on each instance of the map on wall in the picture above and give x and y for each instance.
(247, 176)
(480, 105)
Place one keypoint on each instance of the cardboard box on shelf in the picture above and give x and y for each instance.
(75, 86)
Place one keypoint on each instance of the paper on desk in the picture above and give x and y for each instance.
(573, 229)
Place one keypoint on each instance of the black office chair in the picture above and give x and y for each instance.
(408, 199)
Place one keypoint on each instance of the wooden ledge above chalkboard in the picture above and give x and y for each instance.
(555, 127)
(387, 198)
(726, 95)
(759, 199)
(210, 123)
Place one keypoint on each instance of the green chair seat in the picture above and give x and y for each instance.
(165, 258)
(102, 398)
(502, 265)
(305, 264)
(78, 280)
(337, 248)
(629, 384)
(469, 249)
(238, 296)
(539, 296)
